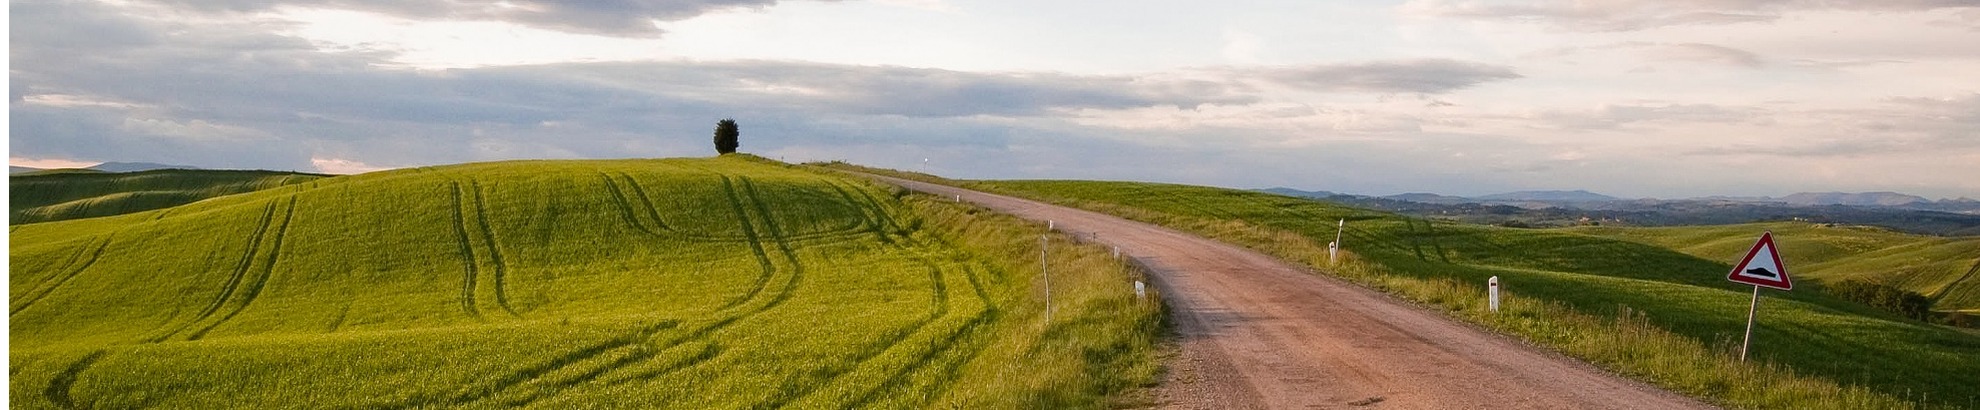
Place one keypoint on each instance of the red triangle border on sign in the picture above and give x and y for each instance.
(1766, 241)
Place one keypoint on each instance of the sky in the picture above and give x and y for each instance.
(1632, 98)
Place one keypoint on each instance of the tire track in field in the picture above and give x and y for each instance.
(638, 342)
(625, 205)
(267, 270)
(72, 271)
(468, 261)
(233, 280)
(59, 389)
(941, 310)
(755, 245)
(494, 250)
(651, 212)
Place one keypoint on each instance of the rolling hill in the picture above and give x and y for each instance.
(1446, 264)
(54, 196)
(1937, 267)
(689, 283)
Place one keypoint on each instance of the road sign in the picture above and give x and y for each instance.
(1762, 266)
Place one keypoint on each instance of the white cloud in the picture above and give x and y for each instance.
(338, 166)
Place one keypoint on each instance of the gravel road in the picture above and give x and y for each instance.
(1258, 333)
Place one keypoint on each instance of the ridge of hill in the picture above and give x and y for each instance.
(682, 283)
(54, 196)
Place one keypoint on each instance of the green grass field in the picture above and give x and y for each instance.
(1577, 293)
(688, 283)
(55, 195)
(1938, 267)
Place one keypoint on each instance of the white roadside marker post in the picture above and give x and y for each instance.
(1492, 286)
(1752, 311)
(1043, 241)
(1334, 249)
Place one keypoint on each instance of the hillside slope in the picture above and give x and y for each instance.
(1938, 267)
(55, 196)
(710, 283)
(1805, 331)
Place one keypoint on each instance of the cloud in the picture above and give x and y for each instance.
(1668, 52)
(1620, 116)
(1423, 76)
(338, 166)
(625, 18)
(1632, 15)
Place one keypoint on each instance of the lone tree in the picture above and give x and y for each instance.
(725, 136)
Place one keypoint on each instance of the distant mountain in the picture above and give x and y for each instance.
(16, 170)
(135, 166)
(1298, 193)
(1548, 196)
(1852, 199)
(1430, 198)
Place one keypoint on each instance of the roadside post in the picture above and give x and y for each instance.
(1043, 242)
(1762, 267)
(1492, 288)
(1334, 248)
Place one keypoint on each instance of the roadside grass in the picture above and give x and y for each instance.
(733, 282)
(53, 196)
(1645, 311)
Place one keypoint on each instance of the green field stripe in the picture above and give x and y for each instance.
(233, 279)
(1941, 293)
(688, 358)
(494, 249)
(65, 278)
(59, 389)
(267, 270)
(489, 389)
(468, 261)
(54, 276)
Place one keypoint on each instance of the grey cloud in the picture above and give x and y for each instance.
(1616, 116)
(1424, 76)
(1631, 15)
(1905, 125)
(630, 18)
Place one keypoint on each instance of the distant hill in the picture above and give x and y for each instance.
(136, 166)
(16, 170)
(1853, 199)
(55, 195)
(1299, 193)
(1430, 198)
(1549, 196)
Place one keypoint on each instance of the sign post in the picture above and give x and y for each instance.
(1762, 267)
(1493, 288)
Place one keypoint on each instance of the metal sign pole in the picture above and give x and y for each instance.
(1751, 311)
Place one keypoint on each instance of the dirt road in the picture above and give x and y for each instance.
(1259, 333)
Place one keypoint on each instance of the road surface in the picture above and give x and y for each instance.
(1258, 333)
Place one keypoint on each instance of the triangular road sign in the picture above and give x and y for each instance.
(1762, 266)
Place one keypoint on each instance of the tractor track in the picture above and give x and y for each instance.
(60, 390)
(468, 261)
(55, 283)
(494, 250)
(267, 270)
(233, 280)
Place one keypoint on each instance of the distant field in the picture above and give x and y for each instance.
(1807, 332)
(62, 194)
(691, 283)
(1937, 267)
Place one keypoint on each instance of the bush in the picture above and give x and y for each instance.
(726, 134)
(1903, 302)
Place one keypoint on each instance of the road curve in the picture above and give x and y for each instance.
(1258, 333)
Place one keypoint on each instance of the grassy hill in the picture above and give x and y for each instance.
(1937, 267)
(691, 283)
(56, 195)
(1648, 311)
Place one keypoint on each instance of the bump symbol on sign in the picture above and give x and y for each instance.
(1761, 272)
